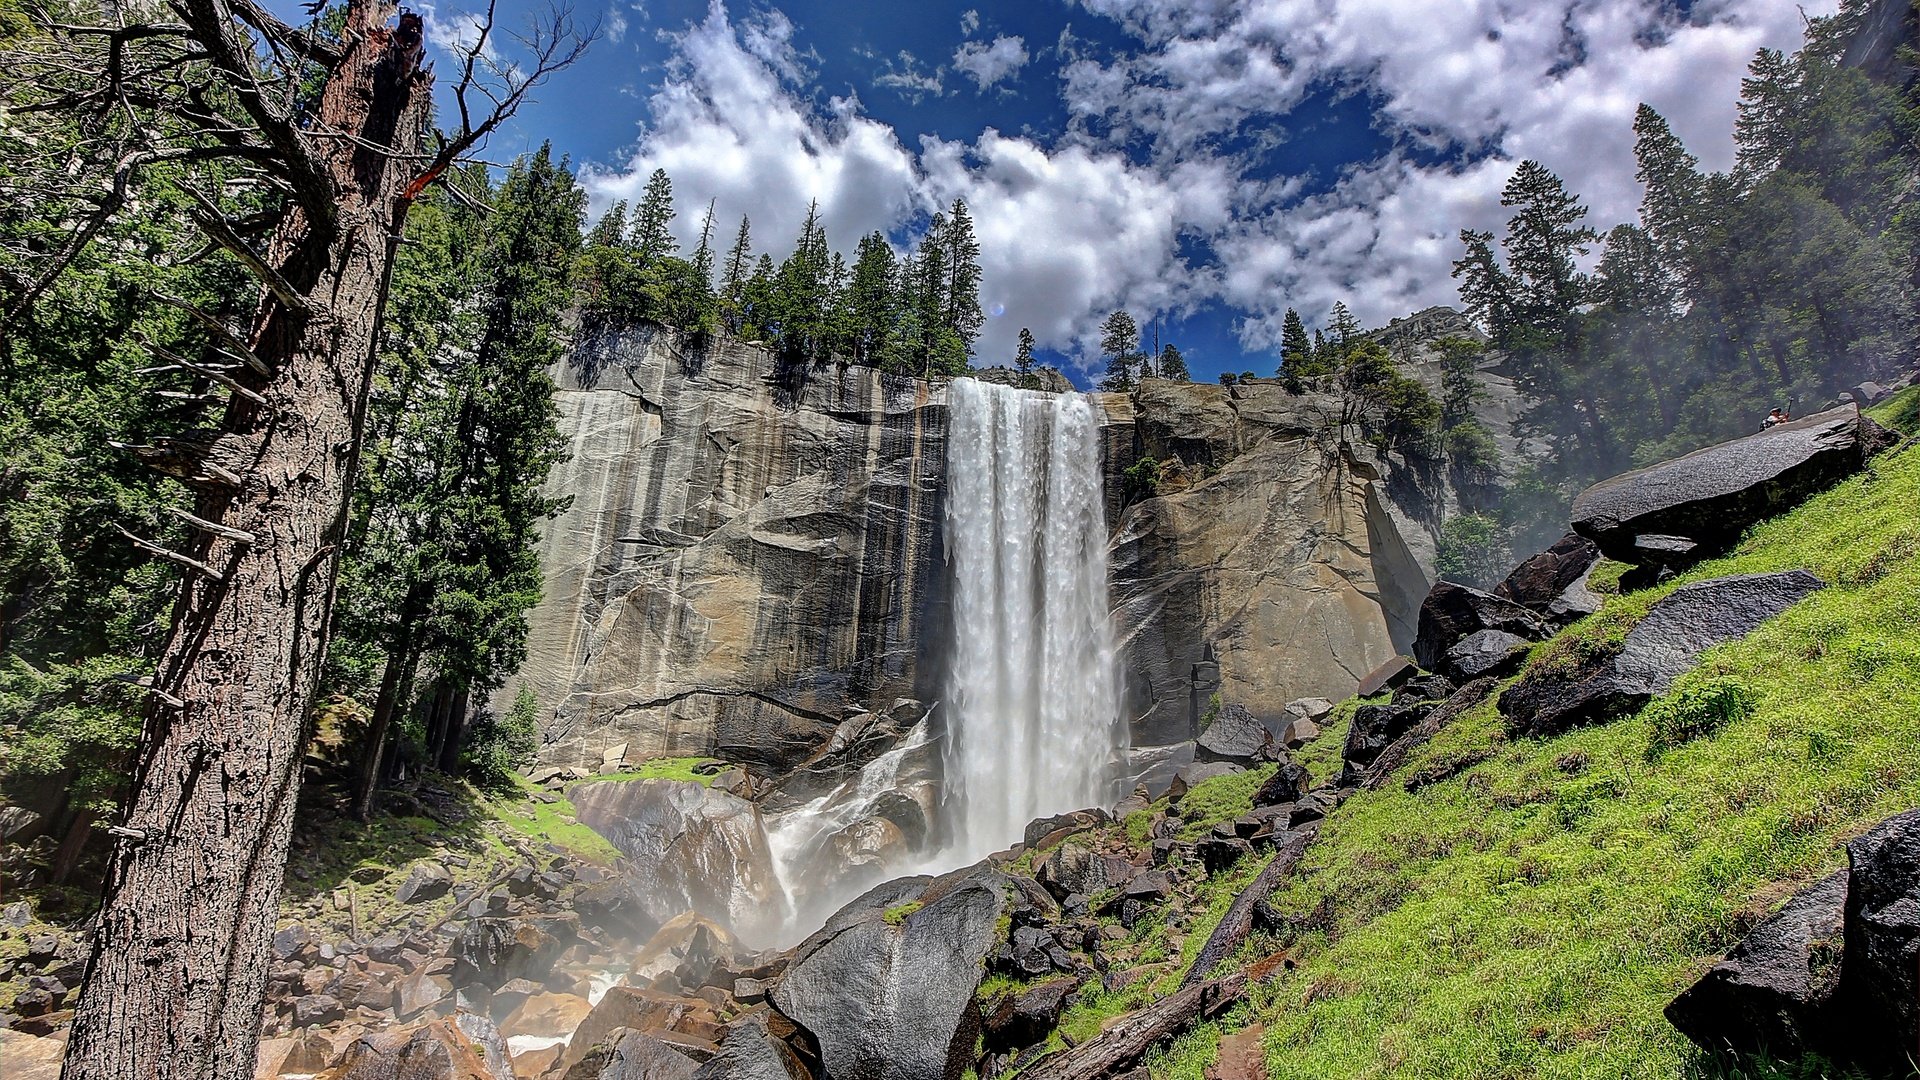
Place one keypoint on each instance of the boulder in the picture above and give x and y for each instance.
(1017, 1021)
(1039, 828)
(1452, 612)
(427, 880)
(1485, 652)
(1771, 990)
(311, 1010)
(637, 1009)
(1664, 645)
(1545, 578)
(465, 1048)
(1074, 868)
(1868, 393)
(1235, 735)
(31, 1057)
(1154, 768)
(546, 1015)
(420, 991)
(1187, 777)
(752, 1052)
(1288, 783)
(632, 1055)
(1882, 941)
(494, 951)
(887, 989)
(688, 847)
(1713, 496)
(1376, 726)
(1386, 677)
(687, 940)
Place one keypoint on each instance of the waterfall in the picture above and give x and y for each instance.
(1032, 699)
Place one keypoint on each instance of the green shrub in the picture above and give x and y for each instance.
(897, 914)
(1696, 707)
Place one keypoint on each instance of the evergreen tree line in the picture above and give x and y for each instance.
(438, 567)
(914, 313)
(1128, 363)
(1781, 282)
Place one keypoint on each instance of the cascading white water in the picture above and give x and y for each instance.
(1033, 713)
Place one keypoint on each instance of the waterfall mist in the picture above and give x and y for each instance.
(1032, 697)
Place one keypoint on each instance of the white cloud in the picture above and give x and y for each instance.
(616, 24)
(988, 64)
(1165, 143)
(969, 22)
(906, 77)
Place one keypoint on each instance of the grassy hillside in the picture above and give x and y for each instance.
(1530, 914)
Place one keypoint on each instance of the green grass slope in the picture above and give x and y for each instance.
(1530, 914)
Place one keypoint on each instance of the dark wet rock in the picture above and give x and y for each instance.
(1075, 868)
(638, 1009)
(1375, 727)
(1191, 776)
(315, 1010)
(1386, 677)
(1154, 768)
(689, 848)
(1218, 853)
(632, 1055)
(1288, 782)
(890, 996)
(1882, 940)
(1451, 612)
(1771, 990)
(466, 1049)
(1486, 652)
(493, 951)
(752, 1052)
(1150, 886)
(1429, 687)
(1077, 820)
(1662, 647)
(1020, 1020)
(1235, 735)
(1545, 578)
(289, 941)
(1713, 496)
(1868, 393)
(426, 881)
(1658, 549)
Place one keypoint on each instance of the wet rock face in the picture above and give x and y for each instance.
(743, 557)
(1712, 496)
(691, 848)
(1765, 994)
(1657, 651)
(887, 987)
(1453, 612)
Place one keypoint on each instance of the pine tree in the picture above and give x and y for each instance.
(652, 238)
(445, 565)
(703, 255)
(1023, 360)
(1342, 328)
(611, 229)
(871, 300)
(1120, 344)
(961, 312)
(1296, 349)
(1173, 366)
(733, 280)
(800, 298)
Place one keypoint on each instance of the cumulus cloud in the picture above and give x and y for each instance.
(905, 76)
(987, 64)
(969, 22)
(1174, 187)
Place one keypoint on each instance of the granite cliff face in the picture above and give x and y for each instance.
(744, 557)
(751, 557)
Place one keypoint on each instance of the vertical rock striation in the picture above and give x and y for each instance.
(748, 552)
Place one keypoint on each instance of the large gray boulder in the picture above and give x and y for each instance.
(1772, 990)
(494, 951)
(1452, 612)
(887, 987)
(1656, 652)
(689, 848)
(1713, 496)
(1541, 579)
(1236, 735)
(1878, 980)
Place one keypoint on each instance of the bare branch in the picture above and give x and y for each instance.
(238, 536)
(171, 555)
(209, 217)
(184, 364)
(235, 350)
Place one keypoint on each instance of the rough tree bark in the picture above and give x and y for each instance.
(176, 981)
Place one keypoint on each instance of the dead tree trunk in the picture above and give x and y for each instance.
(1133, 1035)
(1238, 921)
(176, 981)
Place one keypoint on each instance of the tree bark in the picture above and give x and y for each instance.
(397, 673)
(459, 709)
(1238, 922)
(175, 984)
(1128, 1040)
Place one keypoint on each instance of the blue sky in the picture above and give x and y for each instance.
(1205, 163)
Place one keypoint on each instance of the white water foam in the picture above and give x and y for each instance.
(1033, 696)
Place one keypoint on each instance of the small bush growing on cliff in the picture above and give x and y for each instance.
(499, 747)
(1473, 550)
(1696, 707)
(1142, 479)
